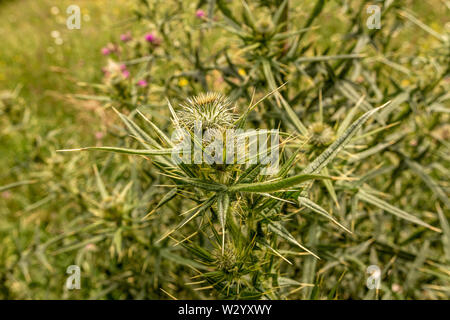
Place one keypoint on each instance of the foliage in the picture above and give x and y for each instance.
(363, 116)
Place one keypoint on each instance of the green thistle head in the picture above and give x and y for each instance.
(264, 26)
(212, 110)
(320, 134)
(226, 261)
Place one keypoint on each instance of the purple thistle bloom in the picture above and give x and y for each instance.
(126, 37)
(200, 14)
(126, 74)
(150, 37)
(142, 83)
(106, 51)
(6, 194)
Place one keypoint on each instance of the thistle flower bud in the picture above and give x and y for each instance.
(212, 110)
(226, 261)
(320, 134)
(264, 26)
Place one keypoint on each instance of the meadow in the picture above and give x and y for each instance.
(359, 207)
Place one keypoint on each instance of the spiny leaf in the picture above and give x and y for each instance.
(202, 184)
(228, 14)
(316, 11)
(327, 58)
(279, 13)
(413, 274)
(284, 170)
(157, 130)
(100, 184)
(175, 119)
(250, 173)
(330, 188)
(263, 243)
(144, 138)
(349, 117)
(422, 25)
(183, 261)
(292, 115)
(318, 209)
(117, 241)
(223, 203)
(446, 232)
(207, 204)
(239, 123)
(248, 14)
(78, 244)
(167, 197)
(310, 265)
(276, 185)
(394, 210)
(369, 152)
(142, 152)
(16, 184)
(433, 185)
(282, 232)
(325, 157)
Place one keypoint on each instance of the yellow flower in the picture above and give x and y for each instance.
(183, 82)
(405, 83)
(436, 26)
(242, 72)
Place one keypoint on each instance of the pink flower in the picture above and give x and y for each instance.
(99, 135)
(91, 247)
(200, 14)
(125, 74)
(126, 37)
(142, 83)
(105, 51)
(110, 48)
(6, 194)
(153, 39)
(150, 37)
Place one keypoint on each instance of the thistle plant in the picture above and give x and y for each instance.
(358, 185)
(240, 214)
(327, 88)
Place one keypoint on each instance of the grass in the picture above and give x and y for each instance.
(44, 73)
